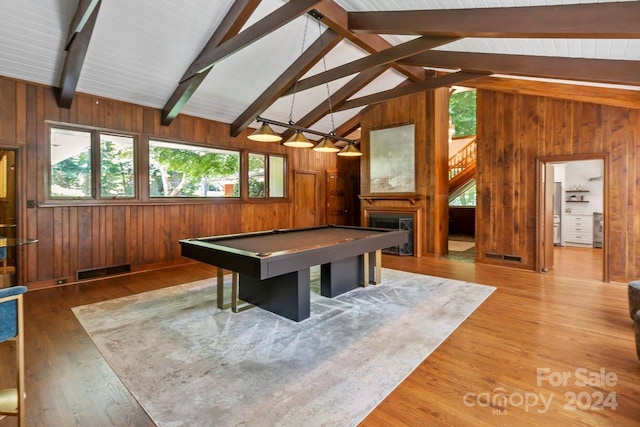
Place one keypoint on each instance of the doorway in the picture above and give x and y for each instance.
(571, 216)
(306, 199)
(8, 216)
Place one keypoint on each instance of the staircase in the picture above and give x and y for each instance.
(462, 166)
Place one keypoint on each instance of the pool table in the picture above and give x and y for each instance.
(274, 265)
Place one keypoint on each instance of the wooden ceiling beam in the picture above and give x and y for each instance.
(337, 18)
(327, 41)
(408, 89)
(280, 17)
(80, 19)
(78, 40)
(592, 20)
(583, 69)
(382, 57)
(338, 98)
(231, 25)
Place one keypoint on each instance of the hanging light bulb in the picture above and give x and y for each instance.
(265, 134)
(326, 146)
(298, 140)
(350, 150)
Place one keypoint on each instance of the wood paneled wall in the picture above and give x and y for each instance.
(77, 237)
(513, 131)
(428, 111)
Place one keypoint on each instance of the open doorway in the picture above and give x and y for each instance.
(571, 217)
(7, 217)
(462, 172)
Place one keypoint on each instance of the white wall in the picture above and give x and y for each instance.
(580, 174)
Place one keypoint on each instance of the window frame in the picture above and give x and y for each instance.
(141, 171)
(144, 178)
(96, 166)
(267, 175)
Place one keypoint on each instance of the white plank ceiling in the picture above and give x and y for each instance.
(141, 48)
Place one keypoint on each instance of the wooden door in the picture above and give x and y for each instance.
(336, 193)
(305, 199)
(545, 218)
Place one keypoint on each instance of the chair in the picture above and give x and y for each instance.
(12, 329)
(3, 258)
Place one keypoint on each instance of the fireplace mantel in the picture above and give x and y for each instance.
(372, 198)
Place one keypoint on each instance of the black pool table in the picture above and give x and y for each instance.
(274, 265)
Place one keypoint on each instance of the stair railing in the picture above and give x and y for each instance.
(462, 159)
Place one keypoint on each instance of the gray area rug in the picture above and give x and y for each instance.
(189, 363)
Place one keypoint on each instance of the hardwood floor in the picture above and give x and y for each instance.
(565, 322)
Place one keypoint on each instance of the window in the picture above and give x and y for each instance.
(117, 173)
(256, 175)
(462, 109)
(181, 170)
(465, 195)
(276, 176)
(260, 172)
(72, 158)
(91, 164)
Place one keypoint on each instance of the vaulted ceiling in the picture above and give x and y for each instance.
(230, 61)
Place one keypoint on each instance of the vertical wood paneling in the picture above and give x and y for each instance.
(8, 112)
(514, 130)
(418, 109)
(73, 238)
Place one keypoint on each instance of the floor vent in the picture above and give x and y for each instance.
(92, 273)
(503, 257)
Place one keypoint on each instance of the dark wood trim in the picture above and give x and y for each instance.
(382, 57)
(232, 23)
(591, 94)
(446, 80)
(77, 47)
(337, 99)
(80, 19)
(371, 198)
(336, 17)
(319, 48)
(266, 25)
(585, 69)
(595, 20)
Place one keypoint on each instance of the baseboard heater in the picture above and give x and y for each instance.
(92, 273)
(503, 257)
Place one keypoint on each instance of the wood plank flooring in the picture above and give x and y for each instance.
(565, 322)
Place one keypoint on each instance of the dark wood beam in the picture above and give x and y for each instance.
(327, 41)
(78, 43)
(594, 20)
(337, 18)
(382, 57)
(594, 70)
(231, 25)
(80, 19)
(350, 125)
(283, 15)
(408, 89)
(338, 98)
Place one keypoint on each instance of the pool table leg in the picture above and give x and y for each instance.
(235, 307)
(288, 295)
(378, 278)
(368, 270)
(220, 290)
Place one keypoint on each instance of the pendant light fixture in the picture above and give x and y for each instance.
(266, 134)
(350, 150)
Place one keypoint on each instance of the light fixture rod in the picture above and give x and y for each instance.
(302, 129)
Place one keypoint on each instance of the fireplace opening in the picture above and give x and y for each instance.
(394, 222)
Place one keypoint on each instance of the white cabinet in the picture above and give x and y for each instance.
(579, 229)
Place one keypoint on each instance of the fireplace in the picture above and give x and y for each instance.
(395, 221)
